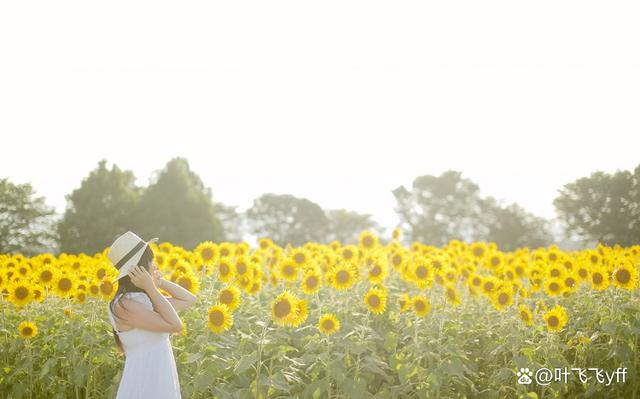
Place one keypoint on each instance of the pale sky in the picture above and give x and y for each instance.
(335, 101)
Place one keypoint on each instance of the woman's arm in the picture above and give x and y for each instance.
(177, 291)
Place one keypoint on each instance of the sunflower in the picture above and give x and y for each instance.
(349, 253)
(502, 298)
(311, 282)
(300, 256)
(188, 281)
(220, 318)
(452, 296)
(556, 318)
(329, 323)
(225, 271)
(570, 282)
(207, 252)
(243, 267)
(283, 308)
(289, 269)
(376, 300)
(367, 240)
(450, 274)
(342, 276)
(46, 276)
(230, 296)
(525, 314)
(553, 286)
(67, 312)
(555, 271)
(478, 250)
(27, 329)
(405, 302)
(397, 259)
(63, 285)
(488, 285)
(422, 274)
(420, 305)
(107, 289)
(599, 278)
(300, 312)
(378, 272)
(20, 292)
(625, 275)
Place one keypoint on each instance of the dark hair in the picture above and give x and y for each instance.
(125, 285)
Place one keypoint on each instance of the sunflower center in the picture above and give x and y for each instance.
(46, 275)
(555, 272)
(101, 273)
(397, 260)
(224, 269)
(597, 278)
(421, 272)
(478, 252)
(488, 286)
(582, 273)
(27, 331)
(376, 270)
(503, 298)
(451, 293)
(374, 301)
(342, 276)
(226, 297)
(312, 282)
(524, 315)
(207, 254)
(22, 292)
(419, 306)
(367, 241)
(554, 287)
(242, 268)
(553, 321)
(106, 287)
(299, 258)
(288, 270)
(495, 261)
(282, 308)
(64, 284)
(476, 281)
(216, 317)
(327, 324)
(623, 276)
(570, 282)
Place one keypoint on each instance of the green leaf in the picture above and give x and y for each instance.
(245, 362)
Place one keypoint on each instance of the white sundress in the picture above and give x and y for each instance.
(149, 367)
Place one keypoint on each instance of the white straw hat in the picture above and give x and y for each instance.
(126, 251)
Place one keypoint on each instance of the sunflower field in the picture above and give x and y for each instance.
(365, 320)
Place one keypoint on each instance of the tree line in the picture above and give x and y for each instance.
(177, 207)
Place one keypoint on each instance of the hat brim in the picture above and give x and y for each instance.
(126, 268)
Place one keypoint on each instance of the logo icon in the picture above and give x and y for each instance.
(524, 376)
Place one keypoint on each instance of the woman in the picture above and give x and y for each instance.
(142, 319)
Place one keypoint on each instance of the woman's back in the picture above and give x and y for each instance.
(149, 369)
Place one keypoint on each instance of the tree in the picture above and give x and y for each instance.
(439, 209)
(99, 210)
(603, 207)
(512, 227)
(287, 219)
(232, 222)
(178, 208)
(345, 226)
(26, 223)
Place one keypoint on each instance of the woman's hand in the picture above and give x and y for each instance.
(157, 277)
(141, 278)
